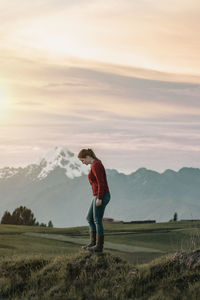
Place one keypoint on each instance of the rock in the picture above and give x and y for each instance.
(189, 260)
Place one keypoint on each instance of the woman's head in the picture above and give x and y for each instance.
(87, 156)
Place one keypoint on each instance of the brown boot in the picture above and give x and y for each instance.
(99, 244)
(92, 240)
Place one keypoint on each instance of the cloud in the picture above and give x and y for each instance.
(96, 92)
(137, 33)
(71, 84)
(122, 76)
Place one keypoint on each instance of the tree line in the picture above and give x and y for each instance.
(22, 216)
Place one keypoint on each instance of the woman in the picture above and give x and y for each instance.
(98, 180)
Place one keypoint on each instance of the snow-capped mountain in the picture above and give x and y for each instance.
(57, 157)
(8, 172)
(63, 158)
(56, 188)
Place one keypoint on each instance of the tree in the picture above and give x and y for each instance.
(23, 216)
(20, 216)
(50, 224)
(43, 225)
(175, 217)
(6, 219)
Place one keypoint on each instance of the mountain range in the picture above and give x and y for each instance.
(56, 188)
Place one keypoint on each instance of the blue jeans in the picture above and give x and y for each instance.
(95, 214)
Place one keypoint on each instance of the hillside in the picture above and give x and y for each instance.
(100, 276)
(140, 261)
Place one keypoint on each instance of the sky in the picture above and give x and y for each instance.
(120, 77)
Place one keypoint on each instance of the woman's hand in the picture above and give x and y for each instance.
(98, 202)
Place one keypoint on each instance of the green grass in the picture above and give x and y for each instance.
(166, 237)
(168, 242)
(40, 268)
(96, 277)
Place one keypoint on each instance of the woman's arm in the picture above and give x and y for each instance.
(99, 174)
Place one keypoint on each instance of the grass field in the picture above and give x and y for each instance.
(165, 238)
(47, 263)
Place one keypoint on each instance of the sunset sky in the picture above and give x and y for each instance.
(120, 77)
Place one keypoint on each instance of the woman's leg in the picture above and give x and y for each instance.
(98, 212)
(90, 218)
(92, 228)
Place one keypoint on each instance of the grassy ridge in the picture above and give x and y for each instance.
(96, 277)
(38, 268)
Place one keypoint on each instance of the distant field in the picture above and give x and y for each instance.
(162, 237)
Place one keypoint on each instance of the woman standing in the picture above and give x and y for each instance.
(98, 180)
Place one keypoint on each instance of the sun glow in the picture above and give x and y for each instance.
(2, 100)
(3, 104)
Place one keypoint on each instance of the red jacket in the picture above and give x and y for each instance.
(98, 180)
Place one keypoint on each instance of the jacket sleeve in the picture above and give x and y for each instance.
(99, 174)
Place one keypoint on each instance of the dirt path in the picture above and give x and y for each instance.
(83, 241)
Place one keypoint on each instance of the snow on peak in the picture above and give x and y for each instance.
(56, 154)
(63, 158)
(8, 172)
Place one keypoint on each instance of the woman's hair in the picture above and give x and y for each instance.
(84, 152)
